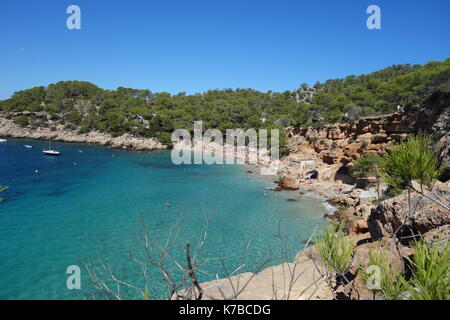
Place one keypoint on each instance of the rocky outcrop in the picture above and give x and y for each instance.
(297, 280)
(357, 289)
(351, 205)
(341, 144)
(357, 227)
(289, 182)
(390, 214)
(442, 232)
(435, 119)
(431, 216)
(337, 146)
(126, 141)
(387, 217)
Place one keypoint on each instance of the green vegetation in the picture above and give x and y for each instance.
(430, 273)
(22, 121)
(389, 283)
(412, 160)
(82, 105)
(412, 166)
(335, 248)
(367, 165)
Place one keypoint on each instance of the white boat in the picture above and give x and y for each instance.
(3, 140)
(27, 146)
(50, 151)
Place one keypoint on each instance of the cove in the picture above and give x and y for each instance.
(67, 214)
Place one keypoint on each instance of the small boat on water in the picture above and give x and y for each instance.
(27, 146)
(3, 140)
(50, 151)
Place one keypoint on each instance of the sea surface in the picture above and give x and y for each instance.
(85, 208)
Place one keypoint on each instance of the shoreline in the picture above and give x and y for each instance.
(124, 142)
(128, 142)
(310, 191)
(318, 190)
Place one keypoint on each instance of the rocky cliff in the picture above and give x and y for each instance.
(336, 146)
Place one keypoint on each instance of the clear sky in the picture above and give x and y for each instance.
(194, 45)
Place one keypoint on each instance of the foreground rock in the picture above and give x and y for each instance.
(390, 214)
(298, 280)
(126, 141)
(357, 289)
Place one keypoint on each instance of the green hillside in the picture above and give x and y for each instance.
(84, 106)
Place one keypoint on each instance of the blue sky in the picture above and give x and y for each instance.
(194, 46)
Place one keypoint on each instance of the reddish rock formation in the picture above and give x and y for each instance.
(390, 214)
(289, 183)
(338, 145)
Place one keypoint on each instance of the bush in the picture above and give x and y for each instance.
(22, 121)
(409, 161)
(431, 271)
(335, 248)
(388, 284)
(367, 165)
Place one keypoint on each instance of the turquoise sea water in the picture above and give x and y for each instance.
(67, 214)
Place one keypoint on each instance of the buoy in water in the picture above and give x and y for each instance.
(36, 171)
(168, 204)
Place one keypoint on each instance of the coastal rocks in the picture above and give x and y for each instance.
(336, 132)
(357, 227)
(366, 137)
(342, 201)
(442, 232)
(297, 280)
(361, 255)
(389, 215)
(430, 217)
(364, 210)
(125, 141)
(341, 214)
(128, 141)
(350, 205)
(287, 182)
(332, 156)
(338, 145)
(357, 289)
(323, 144)
(380, 138)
